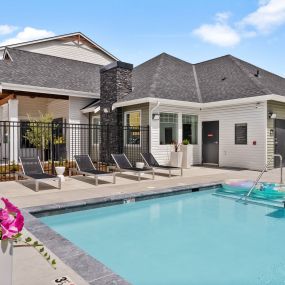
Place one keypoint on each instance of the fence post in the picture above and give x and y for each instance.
(52, 148)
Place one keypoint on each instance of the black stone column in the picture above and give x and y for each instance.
(115, 83)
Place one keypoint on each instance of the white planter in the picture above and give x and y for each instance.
(139, 165)
(60, 171)
(187, 151)
(6, 262)
(176, 158)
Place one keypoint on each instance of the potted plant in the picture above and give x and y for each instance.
(11, 226)
(176, 155)
(187, 150)
(60, 169)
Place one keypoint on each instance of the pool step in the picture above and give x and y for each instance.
(262, 202)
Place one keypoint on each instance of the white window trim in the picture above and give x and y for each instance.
(179, 126)
(125, 124)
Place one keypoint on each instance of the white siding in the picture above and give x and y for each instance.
(75, 106)
(4, 112)
(162, 152)
(70, 50)
(243, 156)
(230, 155)
(277, 108)
(78, 143)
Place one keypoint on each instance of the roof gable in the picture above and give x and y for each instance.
(73, 46)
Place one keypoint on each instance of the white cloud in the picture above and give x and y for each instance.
(6, 29)
(27, 34)
(268, 16)
(223, 17)
(218, 34)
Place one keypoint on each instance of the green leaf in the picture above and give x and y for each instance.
(42, 249)
(28, 239)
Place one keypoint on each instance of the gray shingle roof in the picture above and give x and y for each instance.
(223, 78)
(35, 69)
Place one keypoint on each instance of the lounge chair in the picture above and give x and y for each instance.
(86, 167)
(33, 169)
(152, 162)
(123, 164)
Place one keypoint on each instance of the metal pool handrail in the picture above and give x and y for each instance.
(264, 169)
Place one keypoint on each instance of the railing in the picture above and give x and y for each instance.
(56, 144)
(262, 172)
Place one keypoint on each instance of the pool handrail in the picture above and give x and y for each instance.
(263, 170)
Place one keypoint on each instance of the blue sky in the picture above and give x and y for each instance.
(135, 31)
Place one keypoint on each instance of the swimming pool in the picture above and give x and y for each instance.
(194, 238)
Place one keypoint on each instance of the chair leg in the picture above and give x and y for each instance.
(96, 180)
(37, 185)
(114, 178)
(16, 177)
(169, 173)
(181, 171)
(153, 174)
(69, 172)
(139, 176)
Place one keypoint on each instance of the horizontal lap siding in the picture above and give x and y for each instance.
(278, 109)
(230, 155)
(243, 156)
(70, 50)
(79, 138)
(162, 152)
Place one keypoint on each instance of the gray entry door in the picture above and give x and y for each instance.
(210, 142)
(279, 141)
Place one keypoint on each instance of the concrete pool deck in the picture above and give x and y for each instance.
(79, 188)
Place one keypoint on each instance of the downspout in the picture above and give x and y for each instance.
(150, 122)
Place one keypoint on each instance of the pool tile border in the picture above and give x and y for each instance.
(88, 267)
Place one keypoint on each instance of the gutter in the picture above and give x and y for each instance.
(194, 105)
(46, 90)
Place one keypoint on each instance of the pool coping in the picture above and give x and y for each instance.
(86, 266)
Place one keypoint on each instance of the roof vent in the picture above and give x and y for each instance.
(257, 74)
(224, 78)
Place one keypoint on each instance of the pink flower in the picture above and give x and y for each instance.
(9, 206)
(11, 220)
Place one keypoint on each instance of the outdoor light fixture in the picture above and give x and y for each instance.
(155, 116)
(257, 105)
(272, 115)
(106, 110)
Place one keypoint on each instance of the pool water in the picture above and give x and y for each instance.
(194, 238)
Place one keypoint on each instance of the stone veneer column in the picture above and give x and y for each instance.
(115, 84)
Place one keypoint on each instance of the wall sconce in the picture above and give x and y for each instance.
(155, 116)
(272, 115)
(271, 132)
(106, 110)
(257, 105)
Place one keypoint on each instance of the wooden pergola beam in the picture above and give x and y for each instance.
(7, 98)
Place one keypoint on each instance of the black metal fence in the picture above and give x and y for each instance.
(57, 143)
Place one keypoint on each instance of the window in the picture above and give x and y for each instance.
(241, 133)
(133, 122)
(168, 128)
(189, 128)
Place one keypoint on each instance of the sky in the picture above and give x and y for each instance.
(135, 31)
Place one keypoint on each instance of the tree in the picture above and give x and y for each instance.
(39, 132)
